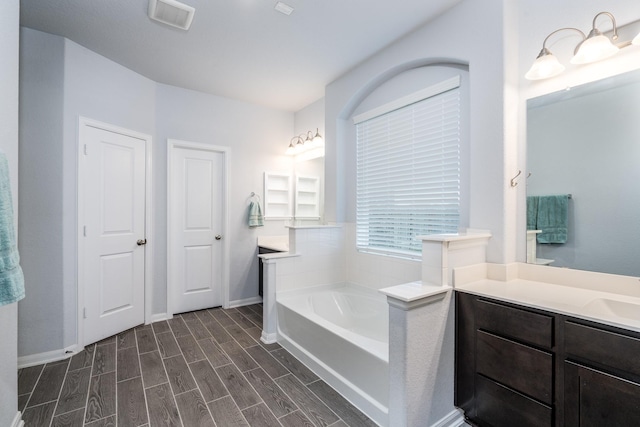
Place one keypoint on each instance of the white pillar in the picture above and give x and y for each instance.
(420, 354)
(269, 314)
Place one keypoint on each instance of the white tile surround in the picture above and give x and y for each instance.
(327, 255)
(419, 296)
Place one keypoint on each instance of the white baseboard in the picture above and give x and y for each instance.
(159, 317)
(246, 301)
(17, 421)
(48, 356)
(454, 418)
(271, 338)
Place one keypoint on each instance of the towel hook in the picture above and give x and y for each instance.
(513, 180)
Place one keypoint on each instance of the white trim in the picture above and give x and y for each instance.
(412, 98)
(159, 317)
(17, 420)
(454, 418)
(172, 144)
(373, 409)
(243, 302)
(269, 338)
(83, 123)
(48, 356)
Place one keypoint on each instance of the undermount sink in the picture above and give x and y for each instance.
(609, 307)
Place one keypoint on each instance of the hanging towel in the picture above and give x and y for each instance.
(255, 214)
(11, 278)
(553, 218)
(532, 212)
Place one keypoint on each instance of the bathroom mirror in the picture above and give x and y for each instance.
(585, 142)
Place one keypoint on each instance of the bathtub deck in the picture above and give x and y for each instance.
(197, 368)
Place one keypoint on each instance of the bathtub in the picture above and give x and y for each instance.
(341, 332)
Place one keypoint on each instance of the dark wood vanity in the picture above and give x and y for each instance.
(519, 366)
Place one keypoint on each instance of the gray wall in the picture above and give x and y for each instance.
(9, 35)
(41, 207)
(62, 81)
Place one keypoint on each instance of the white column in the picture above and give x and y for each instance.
(421, 345)
(269, 314)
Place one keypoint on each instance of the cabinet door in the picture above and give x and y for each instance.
(595, 399)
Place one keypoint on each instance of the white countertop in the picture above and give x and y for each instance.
(276, 243)
(620, 308)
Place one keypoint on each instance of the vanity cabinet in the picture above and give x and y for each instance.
(517, 366)
(601, 376)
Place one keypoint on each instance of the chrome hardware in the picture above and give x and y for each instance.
(142, 242)
(218, 237)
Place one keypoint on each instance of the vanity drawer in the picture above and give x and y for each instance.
(515, 323)
(500, 406)
(602, 347)
(522, 368)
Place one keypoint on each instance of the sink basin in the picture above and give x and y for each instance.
(608, 307)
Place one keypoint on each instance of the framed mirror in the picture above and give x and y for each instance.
(584, 143)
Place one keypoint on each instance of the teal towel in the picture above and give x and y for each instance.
(553, 218)
(255, 215)
(11, 278)
(532, 212)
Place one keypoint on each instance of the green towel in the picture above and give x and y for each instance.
(11, 278)
(553, 218)
(532, 212)
(255, 215)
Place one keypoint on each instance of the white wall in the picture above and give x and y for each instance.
(9, 36)
(61, 81)
(258, 139)
(449, 38)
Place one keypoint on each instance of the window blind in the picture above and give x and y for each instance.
(408, 172)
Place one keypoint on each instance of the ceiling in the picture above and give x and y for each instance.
(240, 49)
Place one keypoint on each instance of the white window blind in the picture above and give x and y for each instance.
(408, 171)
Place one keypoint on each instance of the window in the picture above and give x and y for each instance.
(408, 170)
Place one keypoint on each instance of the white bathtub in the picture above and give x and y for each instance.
(342, 333)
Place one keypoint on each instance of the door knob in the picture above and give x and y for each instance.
(218, 237)
(142, 242)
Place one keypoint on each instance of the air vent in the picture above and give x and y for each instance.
(172, 13)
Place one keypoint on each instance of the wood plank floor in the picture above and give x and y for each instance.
(204, 368)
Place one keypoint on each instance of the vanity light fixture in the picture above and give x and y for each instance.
(305, 142)
(596, 46)
(593, 47)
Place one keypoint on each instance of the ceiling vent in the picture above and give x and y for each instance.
(172, 13)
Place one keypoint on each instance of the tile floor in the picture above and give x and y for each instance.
(204, 368)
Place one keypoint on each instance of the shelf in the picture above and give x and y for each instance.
(278, 195)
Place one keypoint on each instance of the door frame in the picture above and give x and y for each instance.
(83, 124)
(173, 144)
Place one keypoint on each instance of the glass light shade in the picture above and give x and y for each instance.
(317, 139)
(545, 66)
(636, 40)
(291, 150)
(594, 48)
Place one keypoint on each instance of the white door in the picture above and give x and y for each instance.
(195, 228)
(113, 184)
